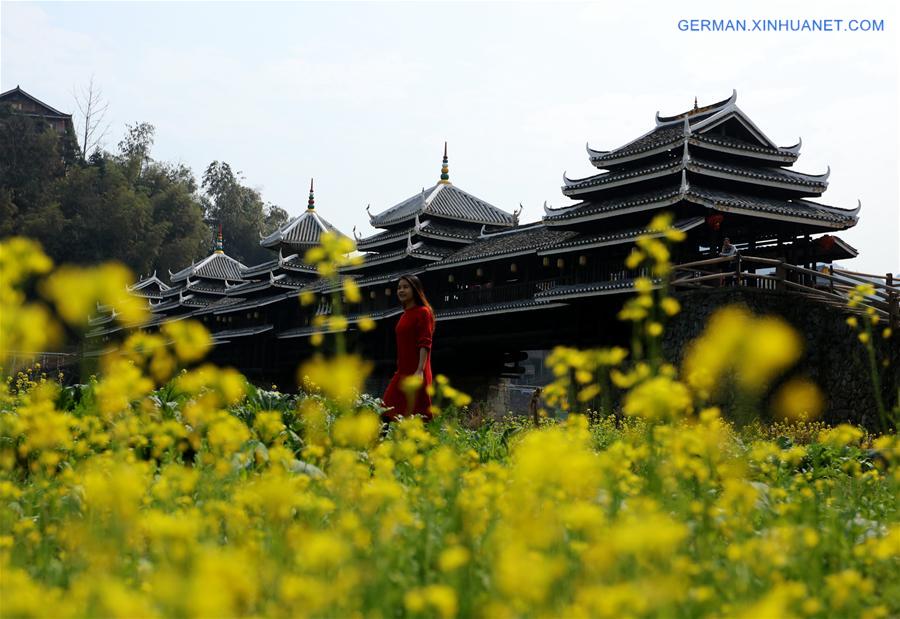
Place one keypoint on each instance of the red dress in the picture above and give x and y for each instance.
(414, 331)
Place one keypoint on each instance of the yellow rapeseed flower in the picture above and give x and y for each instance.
(799, 399)
(190, 339)
(340, 377)
(658, 398)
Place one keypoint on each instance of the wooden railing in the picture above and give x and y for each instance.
(831, 287)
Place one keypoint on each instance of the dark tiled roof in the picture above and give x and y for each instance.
(613, 238)
(381, 278)
(299, 266)
(246, 304)
(217, 304)
(694, 125)
(766, 174)
(454, 232)
(218, 287)
(382, 238)
(172, 291)
(248, 287)
(431, 228)
(585, 290)
(618, 177)
(196, 301)
(527, 239)
(803, 209)
(493, 308)
(231, 333)
(445, 201)
(732, 143)
(659, 137)
(166, 305)
(614, 205)
(293, 283)
(302, 232)
(149, 287)
(49, 111)
(262, 269)
(756, 174)
(421, 250)
(215, 266)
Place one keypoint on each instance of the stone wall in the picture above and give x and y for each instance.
(833, 357)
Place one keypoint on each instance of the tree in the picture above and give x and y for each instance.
(134, 148)
(91, 118)
(274, 217)
(239, 209)
(30, 167)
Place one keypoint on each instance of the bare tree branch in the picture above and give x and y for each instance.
(91, 118)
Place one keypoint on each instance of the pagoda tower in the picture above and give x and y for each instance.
(202, 284)
(423, 230)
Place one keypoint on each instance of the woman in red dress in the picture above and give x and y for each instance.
(414, 332)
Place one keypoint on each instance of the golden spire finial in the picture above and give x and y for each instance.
(445, 170)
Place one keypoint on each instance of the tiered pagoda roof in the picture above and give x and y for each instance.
(150, 288)
(714, 157)
(301, 232)
(284, 276)
(202, 285)
(428, 227)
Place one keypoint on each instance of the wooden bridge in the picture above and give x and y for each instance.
(830, 286)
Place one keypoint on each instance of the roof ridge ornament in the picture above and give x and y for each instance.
(858, 207)
(220, 245)
(409, 243)
(685, 185)
(271, 278)
(481, 234)
(418, 225)
(445, 168)
(517, 213)
(356, 236)
(311, 203)
(687, 126)
(685, 155)
(547, 208)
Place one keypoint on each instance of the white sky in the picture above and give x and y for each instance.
(362, 95)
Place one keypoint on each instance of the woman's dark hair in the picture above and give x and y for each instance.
(418, 293)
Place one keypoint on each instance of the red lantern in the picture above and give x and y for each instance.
(715, 221)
